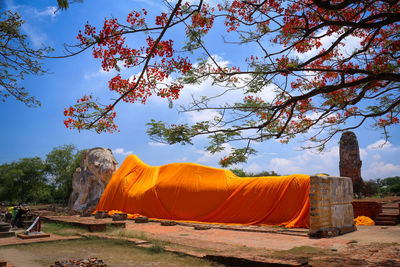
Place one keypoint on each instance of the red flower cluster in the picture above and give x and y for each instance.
(137, 18)
(80, 115)
(337, 77)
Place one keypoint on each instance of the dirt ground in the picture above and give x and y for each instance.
(112, 252)
(368, 246)
(364, 236)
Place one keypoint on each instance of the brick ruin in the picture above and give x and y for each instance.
(331, 209)
(370, 209)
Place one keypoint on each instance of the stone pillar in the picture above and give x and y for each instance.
(350, 163)
(331, 211)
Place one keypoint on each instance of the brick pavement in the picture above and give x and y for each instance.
(7, 241)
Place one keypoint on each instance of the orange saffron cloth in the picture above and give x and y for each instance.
(363, 220)
(196, 193)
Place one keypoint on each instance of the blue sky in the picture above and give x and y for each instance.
(28, 132)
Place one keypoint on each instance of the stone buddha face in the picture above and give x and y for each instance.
(101, 162)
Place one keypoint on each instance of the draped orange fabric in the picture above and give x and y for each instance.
(363, 220)
(192, 192)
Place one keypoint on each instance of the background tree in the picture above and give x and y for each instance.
(34, 180)
(241, 173)
(371, 188)
(61, 164)
(64, 4)
(318, 84)
(9, 175)
(24, 181)
(390, 185)
(383, 187)
(17, 59)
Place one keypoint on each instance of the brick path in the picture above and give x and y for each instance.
(7, 241)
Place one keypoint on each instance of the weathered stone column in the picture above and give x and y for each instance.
(331, 211)
(350, 163)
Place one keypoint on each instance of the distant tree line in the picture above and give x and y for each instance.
(241, 173)
(383, 187)
(37, 180)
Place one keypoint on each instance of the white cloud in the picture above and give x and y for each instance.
(284, 166)
(206, 88)
(203, 115)
(350, 44)
(207, 157)
(308, 162)
(50, 11)
(377, 157)
(219, 60)
(216, 95)
(210, 2)
(99, 73)
(9, 4)
(30, 16)
(253, 168)
(379, 169)
(103, 73)
(381, 144)
(156, 144)
(380, 164)
(37, 37)
(363, 153)
(268, 93)
(184, 159)
(121, 151)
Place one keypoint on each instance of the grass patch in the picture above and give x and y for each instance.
(301, 252)
(157, 246)
(121, 232)
(63, 229)
(112, 252)
(278, 226)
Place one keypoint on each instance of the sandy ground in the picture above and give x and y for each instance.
(368, 246)
(113, 253)
(365, 235)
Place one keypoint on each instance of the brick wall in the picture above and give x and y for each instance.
(366, 208)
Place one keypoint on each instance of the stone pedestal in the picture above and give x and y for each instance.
(101, 214)
(331, 211)
(141, 219)
(119, 216)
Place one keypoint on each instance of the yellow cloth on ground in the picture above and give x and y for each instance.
(192, 192)
(364, 220)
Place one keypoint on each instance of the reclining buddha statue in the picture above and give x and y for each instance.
(193, 192)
